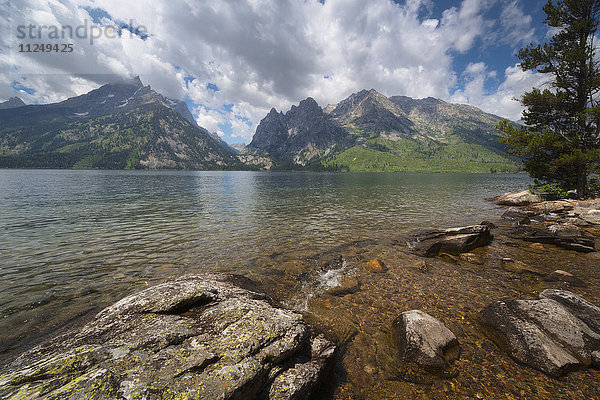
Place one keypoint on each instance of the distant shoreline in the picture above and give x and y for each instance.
(258, 170)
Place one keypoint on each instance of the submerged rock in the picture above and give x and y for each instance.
(564, 276)
(517, 199)
(519, 267)
(448, 258)
(376, 265)
(546, 334)
(472, 258)
(347, 284)
(425, 341)
(196, 337)
(452, 241)
(562, 235)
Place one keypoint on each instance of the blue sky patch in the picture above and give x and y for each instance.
(18, 86)
(99, 16)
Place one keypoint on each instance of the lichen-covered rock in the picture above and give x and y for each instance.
(451, 241)
(424, 340)
(544, 333)
(199, 337)
(297, 382)
(517, 199)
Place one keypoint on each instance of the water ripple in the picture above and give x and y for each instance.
(72, 241)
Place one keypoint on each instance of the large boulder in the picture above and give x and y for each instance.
(567, 236)
(589, 211)
(196, 337)
(451, 241)
(545, 334)
(523, 198)
(425, 341)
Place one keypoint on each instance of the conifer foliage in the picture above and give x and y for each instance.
(561, 137)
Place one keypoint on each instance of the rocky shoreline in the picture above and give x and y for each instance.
(465, 312)
(197, 337)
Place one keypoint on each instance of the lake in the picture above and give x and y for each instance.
(74, 241)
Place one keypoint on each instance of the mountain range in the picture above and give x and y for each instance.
(126, 125)
(369, 132)
(121, 125)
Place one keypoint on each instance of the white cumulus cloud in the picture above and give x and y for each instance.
(264, 53)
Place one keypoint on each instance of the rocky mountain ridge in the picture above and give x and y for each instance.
(369, 131)
(13, 102)
(304, 133)
(125, 124)
(119, 125)
(371, 111)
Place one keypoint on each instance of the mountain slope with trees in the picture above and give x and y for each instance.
(370, 132)
(123, 125)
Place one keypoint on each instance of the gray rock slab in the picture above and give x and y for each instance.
(517, 199)
(200, 336)
(556, 333)
(424, 340)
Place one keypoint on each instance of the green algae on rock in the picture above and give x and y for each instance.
(199, 337)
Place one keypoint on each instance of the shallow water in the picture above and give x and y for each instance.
(74, 241)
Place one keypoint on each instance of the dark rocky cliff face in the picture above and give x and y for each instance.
(271, 133)
(308, 125)
(303, 133)
(408, 104)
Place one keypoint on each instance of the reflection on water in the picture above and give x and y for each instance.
(74, 241)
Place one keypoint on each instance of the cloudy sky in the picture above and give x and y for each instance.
(232, 60)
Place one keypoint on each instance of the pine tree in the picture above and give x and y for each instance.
(561, 137)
